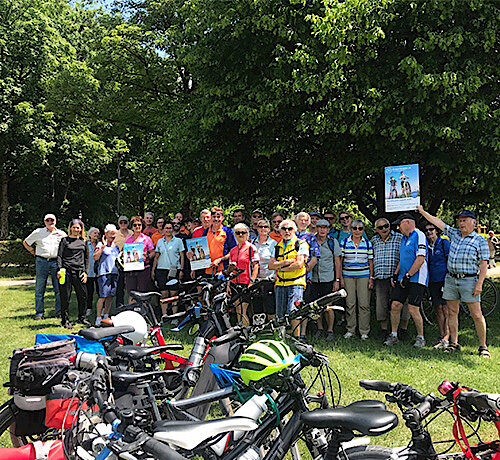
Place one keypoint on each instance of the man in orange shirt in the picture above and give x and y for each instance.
(160, 223)
(276, 220)
(220, 241)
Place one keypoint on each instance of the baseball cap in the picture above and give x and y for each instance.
(257, 211)
(322, 223)
(314, 213)
(49, 216)
(404, 216)
(466, 213)
(110, 228)
(125, 218)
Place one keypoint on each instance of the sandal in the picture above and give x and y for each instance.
(453, 348)
(484, 352)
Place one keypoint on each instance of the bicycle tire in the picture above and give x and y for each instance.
(489, 299)
(427, 311)
(8, 423)
(365, 453)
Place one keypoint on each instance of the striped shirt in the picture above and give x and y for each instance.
(465, 252)
(355, 259)
(386, 255)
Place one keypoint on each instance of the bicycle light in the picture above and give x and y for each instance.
(446, 386)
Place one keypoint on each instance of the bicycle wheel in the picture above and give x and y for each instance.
(427, 311)
(489, 299)
(8, 423)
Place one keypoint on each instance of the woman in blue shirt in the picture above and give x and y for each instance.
(93, 238)
(438, 250)
(107, 274)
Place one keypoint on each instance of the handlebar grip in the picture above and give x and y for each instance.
(481, 401)
(231, 335)
(325, 300)
(304, 349)
(181, 314)
(161, 451)
(377, 385)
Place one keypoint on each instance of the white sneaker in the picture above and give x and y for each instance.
(364, 336)
(98, 321)
(348, 335)
(419, 342)
(105, 317)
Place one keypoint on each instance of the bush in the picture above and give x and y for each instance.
(12, 252)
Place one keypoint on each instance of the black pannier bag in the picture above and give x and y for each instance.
(34, 370)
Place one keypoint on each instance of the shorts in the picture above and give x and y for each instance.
(383, 295)
(162, 278)
(139, 280)
(264, 301)
(414, 292)
(436, 292)
(460, 289)
(107, 284)
(286, 296)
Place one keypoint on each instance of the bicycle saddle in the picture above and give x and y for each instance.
(97, 333)
(133, 352)
(143, 296)
(188, 434)
(367, 418)
(128, 377)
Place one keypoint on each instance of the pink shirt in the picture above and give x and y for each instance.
(147, 245)
(243, 257)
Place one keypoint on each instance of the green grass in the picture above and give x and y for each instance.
(352, 360)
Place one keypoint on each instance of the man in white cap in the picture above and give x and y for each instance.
(46, 240)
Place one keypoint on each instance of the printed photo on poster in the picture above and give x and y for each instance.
(402, 188)
(133, 256)
(201, 256)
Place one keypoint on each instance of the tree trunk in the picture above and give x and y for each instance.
(4, 207)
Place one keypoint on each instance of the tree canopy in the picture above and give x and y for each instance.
(270, 103)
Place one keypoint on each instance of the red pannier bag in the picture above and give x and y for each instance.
(61, 407)
(50, 450)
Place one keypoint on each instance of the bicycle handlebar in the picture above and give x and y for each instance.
(377, 385)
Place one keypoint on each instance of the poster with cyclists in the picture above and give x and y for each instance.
(402, 188)
(133, 256)
(200, 254)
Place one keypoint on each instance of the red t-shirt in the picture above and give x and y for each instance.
(243, 257)
(150, 231)
(197, 232)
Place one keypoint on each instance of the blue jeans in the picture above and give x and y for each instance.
(286, 297)
(44, 268)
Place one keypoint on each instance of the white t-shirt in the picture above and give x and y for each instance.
(47, 243)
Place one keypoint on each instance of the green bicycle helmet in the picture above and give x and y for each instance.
(264, 358)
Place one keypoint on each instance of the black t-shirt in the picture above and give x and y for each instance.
(73, 254)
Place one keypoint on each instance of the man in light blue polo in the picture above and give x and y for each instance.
(412, 279)
(467, 267)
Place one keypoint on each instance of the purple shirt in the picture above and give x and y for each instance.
(147, 246)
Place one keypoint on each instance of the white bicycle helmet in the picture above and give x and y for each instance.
(132, 318)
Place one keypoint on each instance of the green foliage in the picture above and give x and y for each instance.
(12, 252)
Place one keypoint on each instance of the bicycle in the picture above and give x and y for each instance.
(489, 302)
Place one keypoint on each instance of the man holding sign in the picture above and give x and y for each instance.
(467, 266)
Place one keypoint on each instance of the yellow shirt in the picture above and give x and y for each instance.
(290, 250)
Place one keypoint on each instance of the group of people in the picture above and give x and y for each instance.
(299, 259)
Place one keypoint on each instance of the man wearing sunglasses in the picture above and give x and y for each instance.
(386, 244)
(332, 231)
(412, 278)
(289, 262)
(257, 215)
(47, 241)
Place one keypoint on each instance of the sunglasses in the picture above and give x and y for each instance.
(276, 221)
(240, 233)
(358, 228)
(382, 227)
(49, 220)
(344, 217)
(429, 230)
(256, 215)
(123, 222)
(263, 226)
(286, 229)
(330, 218)
(137, 225)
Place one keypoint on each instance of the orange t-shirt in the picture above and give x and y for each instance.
(156, 237)
(216, 247)
(275, 236)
